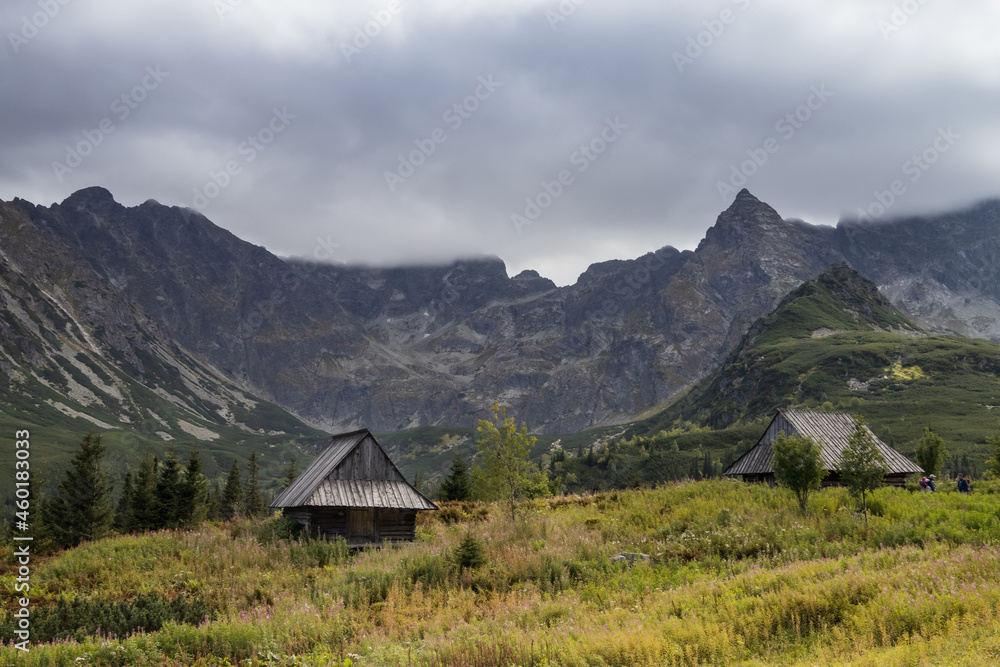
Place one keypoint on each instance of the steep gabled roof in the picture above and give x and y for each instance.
(318, 487)
(831, 430)
(368, 493)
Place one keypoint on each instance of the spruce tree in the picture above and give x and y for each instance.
(456, 486)
(82, 508)
(41, 525)
(707, 466)
(143, 495)
(232, 496)
(167, 504)
(470, 552)
(291, 472)
(213, 503)
(45, 541)
(194, 492)
(123, 511)
(419, 483)
(252, 500)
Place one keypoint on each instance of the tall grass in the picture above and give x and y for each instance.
(735, 575)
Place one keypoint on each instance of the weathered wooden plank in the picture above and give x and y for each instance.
(361, 526)
(397, 499)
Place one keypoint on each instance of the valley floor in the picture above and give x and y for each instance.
(736, 575)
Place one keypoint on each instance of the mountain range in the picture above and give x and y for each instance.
(833, 343)
(104, 304)
(837, 342)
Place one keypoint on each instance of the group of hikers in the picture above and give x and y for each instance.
(964, 483)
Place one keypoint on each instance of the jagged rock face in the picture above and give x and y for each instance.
(400, 347)
(747, 262)
(72, 343)
(942, 271)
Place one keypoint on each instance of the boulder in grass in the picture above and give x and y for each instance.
(630, 558)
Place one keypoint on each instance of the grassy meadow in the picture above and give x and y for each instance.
(736, 575)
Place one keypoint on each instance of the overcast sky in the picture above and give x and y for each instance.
(330, 129)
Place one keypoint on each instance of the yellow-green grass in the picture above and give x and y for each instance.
(736, 576)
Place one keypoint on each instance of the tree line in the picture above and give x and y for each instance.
(161, 494)
(624, 463)
(503, 471)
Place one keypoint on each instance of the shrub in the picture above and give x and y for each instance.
(319, 553)
(81, 618)
(426, 569)
(470, 552)
(276, 529)
(367, 587)
(449, 514)
(876, 506)
(912, 482)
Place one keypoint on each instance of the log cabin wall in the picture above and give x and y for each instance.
(391, 525)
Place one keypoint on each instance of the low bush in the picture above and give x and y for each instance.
(80, 619)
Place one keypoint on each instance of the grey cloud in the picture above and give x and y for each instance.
(324, 176)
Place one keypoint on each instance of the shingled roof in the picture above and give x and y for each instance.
(372, 481)
(830, 430)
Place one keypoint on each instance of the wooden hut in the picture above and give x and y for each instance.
(831, 431)
(353, 490)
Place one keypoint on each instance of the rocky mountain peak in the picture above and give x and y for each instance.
(747, 208)
(94, 196)
(746, 218)
(531, 279)
(745, 198)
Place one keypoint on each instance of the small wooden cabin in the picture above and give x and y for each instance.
(353, 490)
(831, 431)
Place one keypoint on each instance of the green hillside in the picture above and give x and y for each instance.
(835, 343)
(832, 344)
